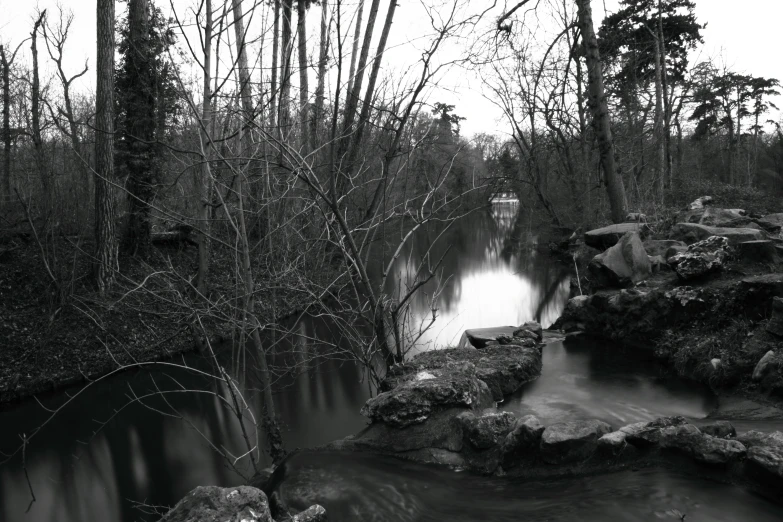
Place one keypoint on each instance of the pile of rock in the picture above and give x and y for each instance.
(243, 503)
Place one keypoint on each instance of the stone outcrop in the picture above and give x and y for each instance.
(621, 265)
(504, 369)
(568, 442)
(702, 258)
(693, 232)
(721, 429)
(211, 503)
(603, 238)
(456, 385)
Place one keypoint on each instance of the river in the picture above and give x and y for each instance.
(105, 456)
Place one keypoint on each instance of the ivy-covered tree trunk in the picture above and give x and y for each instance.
(105, 238)
(600, 110)
(6, 184)
(138, 107)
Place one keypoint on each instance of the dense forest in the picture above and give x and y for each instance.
(240, 162)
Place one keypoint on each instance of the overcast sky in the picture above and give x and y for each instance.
(746, 34)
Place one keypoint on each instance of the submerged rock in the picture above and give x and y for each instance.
(569, 442)
(603, 238)
(211, 504)
(701, 258)
(623, 264)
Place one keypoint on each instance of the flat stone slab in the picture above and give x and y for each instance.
(694, 232)
(603, 238)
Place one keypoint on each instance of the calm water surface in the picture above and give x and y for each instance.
(101, 457)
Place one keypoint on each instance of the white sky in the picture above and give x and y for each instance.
(745, 34)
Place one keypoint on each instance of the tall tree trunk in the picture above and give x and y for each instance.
(304, 90)
(600, 109)
(368, 95)
(275, 53)
(353, 96)
(6, 182)
(660, 164)
(244, 78)
(140, 129)
(105, 237)
(355, 48)
(204, 185)
(323, 58)
(284, 116)
(272, 428)
(667, 105)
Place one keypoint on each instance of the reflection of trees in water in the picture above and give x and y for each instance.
(489, 260)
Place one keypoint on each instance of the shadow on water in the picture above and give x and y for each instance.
(82, 470)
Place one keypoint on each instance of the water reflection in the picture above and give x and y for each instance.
(493, 275)
(84, 471)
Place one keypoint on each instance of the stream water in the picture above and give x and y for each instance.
(106, 457)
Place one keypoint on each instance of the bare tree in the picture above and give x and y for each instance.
(600, 110)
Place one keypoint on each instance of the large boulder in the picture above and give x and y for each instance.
(693, 232)
(659, 247)
(413, 401)
(764, 367)
(603, 238)
(765, 451)
(530, 330)
(504, 369)
(623, 264)
(643, 434)
(521, 442)
(701, 258)
(772, 223)
(211, 504)
(574, 441)
(486, 430)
